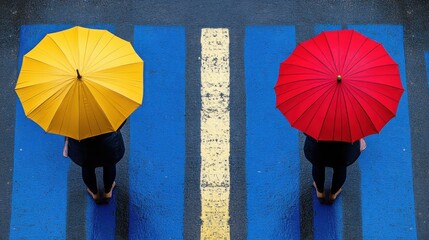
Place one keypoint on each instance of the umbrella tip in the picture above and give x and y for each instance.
(339, 78)
(78, 74)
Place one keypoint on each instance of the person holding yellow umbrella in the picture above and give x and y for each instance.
(83, 84)
(104, 151)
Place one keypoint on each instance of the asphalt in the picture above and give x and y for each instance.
(412, 15)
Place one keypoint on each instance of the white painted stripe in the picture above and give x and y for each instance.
(215, 133)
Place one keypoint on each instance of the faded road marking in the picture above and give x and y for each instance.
(215, 133)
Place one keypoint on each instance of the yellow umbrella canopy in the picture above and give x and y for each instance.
(80, 82)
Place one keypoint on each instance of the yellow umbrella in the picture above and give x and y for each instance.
(80, 82)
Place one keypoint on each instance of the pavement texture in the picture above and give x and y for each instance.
(159, 193)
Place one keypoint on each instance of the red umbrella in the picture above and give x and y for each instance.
(339, 86)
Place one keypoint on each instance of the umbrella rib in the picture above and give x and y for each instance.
(90, 64)
(116, 66)
(85, 51)
(364, 110)
(314, 69)
(347, 52)
(347, 68)
(117, 106)
(304, 59)
(104, 114)
(294, 82)
(92, 51)
(340, 99)
(86, 116)
(46, 99)
(78, 51)
(55, 82)
(370, 96)
(347, 114)
(347, 99)
(377, 83)
(373, 60)
(322, 85)
(339, 54)
(325, 117)
(123, 56)
(102, 51)
(102, 86)
(363, 57)
(298, 95)
(322, 62)
(56, 112)
(393, 114)
(37, 60)
(335, 112)
(62, 52)
(374, 67)
(92, 107)
(380, 56)
(354, 110)
(71, 50)
(330, 51)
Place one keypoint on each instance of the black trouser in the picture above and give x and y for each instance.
(90, 179)
(338, 179)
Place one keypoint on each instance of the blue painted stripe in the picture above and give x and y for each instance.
(101, 219)
(386, 165)
(427, 66)
(328, 220)
(39, 192)
(157, 137)
(272, 149)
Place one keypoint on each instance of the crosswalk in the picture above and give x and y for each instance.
(157, 152)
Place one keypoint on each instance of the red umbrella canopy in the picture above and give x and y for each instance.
(339, 86)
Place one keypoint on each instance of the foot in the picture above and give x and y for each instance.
(362, 144)
(334, 196)
(320, 195)
(108, 195)
(96, 196)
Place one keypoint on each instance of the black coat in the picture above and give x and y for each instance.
(331, 153)
(103, 150)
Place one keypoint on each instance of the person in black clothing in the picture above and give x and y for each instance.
(334, 154)
(105, 151)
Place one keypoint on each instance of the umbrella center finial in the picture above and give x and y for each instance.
(78, 75)
(339, 78)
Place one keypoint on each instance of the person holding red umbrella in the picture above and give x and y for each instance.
(337, 88)
(335, 154)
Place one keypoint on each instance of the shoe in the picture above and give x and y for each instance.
(334, 196)
(320, 195)
(95, 197)
(109, 194)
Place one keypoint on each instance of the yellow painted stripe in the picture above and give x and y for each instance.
(215, 133)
